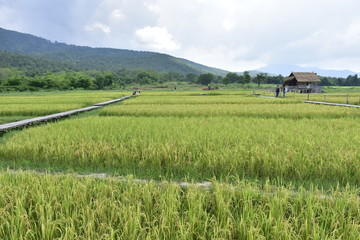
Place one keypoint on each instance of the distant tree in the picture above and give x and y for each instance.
(247, 77)
(279, 79)
(325, 82)
(15, 81)
(83, 82)
(99, 82)
(172, 77)
(226, 80)
(146, 78)
(37, 83)
(259, 78)
(352, 80)
(191, 77)
(230, 78)
(206, 79)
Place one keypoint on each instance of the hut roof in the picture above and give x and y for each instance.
(303, 77)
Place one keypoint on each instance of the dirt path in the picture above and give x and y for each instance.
(272, 190)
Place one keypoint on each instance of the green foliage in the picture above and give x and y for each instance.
(231, 78)
(246, 78)
(259, 78)
(191, 78)
(147, 78)
(206, 79)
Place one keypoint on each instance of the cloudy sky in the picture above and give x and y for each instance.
(235, 35)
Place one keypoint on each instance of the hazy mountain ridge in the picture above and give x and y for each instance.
(97, 58)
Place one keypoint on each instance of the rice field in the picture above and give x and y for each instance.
(28, 105)
(270, 109)
(280, 168)
(67, 207)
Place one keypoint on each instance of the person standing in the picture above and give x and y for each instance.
(277, 91)
(284, 90)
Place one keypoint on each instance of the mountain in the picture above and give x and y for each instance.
(33, 65)
(286, 69)
(97, 58)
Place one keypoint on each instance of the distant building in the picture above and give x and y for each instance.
(304, 82)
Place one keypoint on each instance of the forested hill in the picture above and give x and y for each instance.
(96, 58)
(32, 66)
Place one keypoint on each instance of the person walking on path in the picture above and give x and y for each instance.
(277, 91)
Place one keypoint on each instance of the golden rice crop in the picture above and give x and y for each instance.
(67, 207)
(39, 105)
(66, 98)
(260, 110)
(36, 109)
(220, 137)
(196, 93)
(216, 99)
(201, 147)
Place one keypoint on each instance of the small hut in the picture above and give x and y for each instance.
(304, 82)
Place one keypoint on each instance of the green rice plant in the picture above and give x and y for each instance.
(196, 93)
(20, 107)
(86, 98)
(7, 119)
(36, 109)
(347, 98)
(337, 98)
(202, 147)
(68, 207)
(216, 99)
(258, 110)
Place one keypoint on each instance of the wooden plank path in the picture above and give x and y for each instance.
(112, 101)
(313, 102)
(333, 104)
(27, 122)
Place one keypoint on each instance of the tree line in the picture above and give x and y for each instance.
(15, 79)
(351, 80)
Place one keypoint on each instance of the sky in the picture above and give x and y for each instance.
(235, 35)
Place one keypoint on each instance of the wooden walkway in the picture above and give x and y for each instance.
(7, 126)
(333, 104)
(112, 101)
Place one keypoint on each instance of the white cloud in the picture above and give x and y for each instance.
(117, 13)
(351, 35)
(228, 25)
(98, 27)
(156, 38)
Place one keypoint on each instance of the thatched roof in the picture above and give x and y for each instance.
(305, 77)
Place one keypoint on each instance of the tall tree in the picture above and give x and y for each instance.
(206, 79)
(230, 78)
(247, 77)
